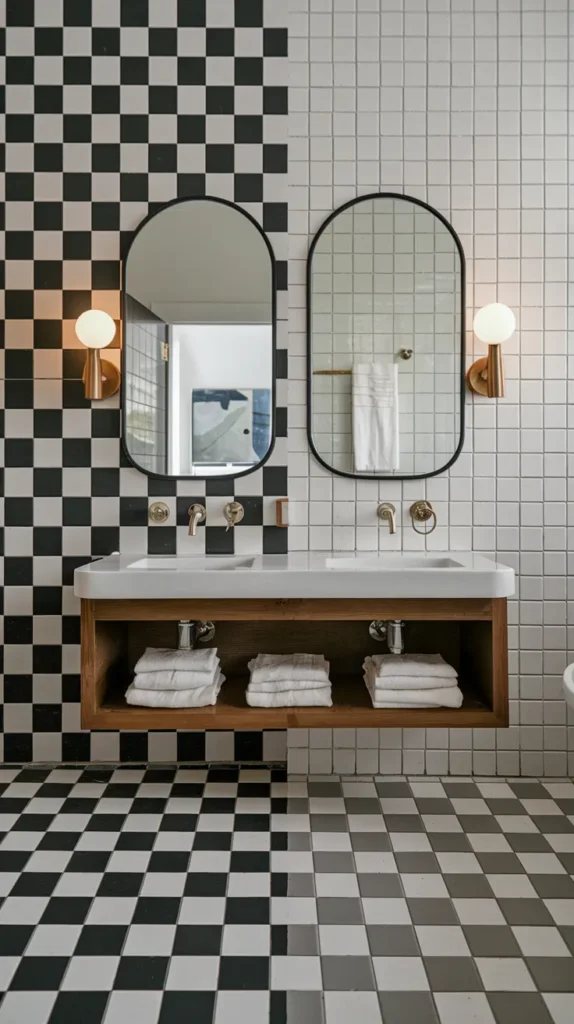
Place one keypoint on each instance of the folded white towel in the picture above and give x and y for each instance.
(400, 682)
(198, 698)
(174, 679)
(413, 665)
(271, 668)
(440, 697)
(157, 659)
(285, 685)
(319, 697)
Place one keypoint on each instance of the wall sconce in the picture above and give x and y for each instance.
(493, 324)
(96, 330)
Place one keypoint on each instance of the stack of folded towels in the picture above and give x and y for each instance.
(289, 681)
(411, 681)
(166, 678)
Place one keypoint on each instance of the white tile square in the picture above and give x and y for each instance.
(504, 974)
(400, 974)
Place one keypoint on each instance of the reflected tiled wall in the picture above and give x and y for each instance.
(464, 104)
(387, 278)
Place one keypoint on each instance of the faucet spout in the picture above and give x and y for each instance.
(196, 515)
(387, 513)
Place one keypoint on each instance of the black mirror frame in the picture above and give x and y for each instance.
(449, 227)
(154, 213)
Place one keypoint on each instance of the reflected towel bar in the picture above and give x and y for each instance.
(404, 353)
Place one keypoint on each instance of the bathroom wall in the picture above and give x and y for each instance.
(464, 104)
(113, 108)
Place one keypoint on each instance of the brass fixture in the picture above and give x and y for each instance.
(197, 515)
(493, 324)
(234, 513)
(421, 511)
(386, 512)
(158, 512)
(96, 330)
(486, 375)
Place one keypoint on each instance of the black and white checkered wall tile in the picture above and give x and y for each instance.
(114, 107)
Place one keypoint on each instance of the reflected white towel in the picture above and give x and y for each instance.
(288, 668)
(440, 697)
(157, 659)
(426, 665)
(200, 697)
(170, 679)
(375, 417)
(386, 683)
(320, 696)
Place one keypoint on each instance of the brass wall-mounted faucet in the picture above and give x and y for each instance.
(197, 515)
(387, 513)
(234, 513)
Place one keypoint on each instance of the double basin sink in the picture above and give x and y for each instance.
(450, 574)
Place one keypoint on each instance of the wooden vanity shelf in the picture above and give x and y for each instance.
(470, 634)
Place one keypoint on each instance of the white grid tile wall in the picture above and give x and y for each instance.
(387, 276)
(466, 105)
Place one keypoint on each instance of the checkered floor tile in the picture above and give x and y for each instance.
(186, 896)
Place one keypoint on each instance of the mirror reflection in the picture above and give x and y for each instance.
(198, 342)
(386, 340)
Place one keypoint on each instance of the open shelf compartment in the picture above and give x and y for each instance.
(471, 636)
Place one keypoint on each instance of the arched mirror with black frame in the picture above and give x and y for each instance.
(386, 340)
(199, 344)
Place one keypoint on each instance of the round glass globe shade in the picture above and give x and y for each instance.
(95, 329)
(494, 323)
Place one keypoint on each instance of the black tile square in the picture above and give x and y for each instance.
(169, 862)
(219, 158)
(139, 973)
(247, 910)
(66, 910)
(198, 940)
(191, 13)
(219, 99)
(32, 883)
(220, 42)
(249, 13)
(87, 1007)
(101, 940)
(39, 974)
(210, 883)
(249, 71)
(134, 12)
(120, 883)
(195, 1007)
(275, 41)
(191, 71)
(247, 861)
(14, 938)
(248, 128)
(156, 910)
(244, 972)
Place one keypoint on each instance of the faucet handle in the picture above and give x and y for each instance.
(386, 512)
(196, 515)
(234, 513)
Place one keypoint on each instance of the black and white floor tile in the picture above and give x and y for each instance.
(238, 895)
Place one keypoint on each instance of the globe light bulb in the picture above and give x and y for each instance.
(494, 324)
(95, 329)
